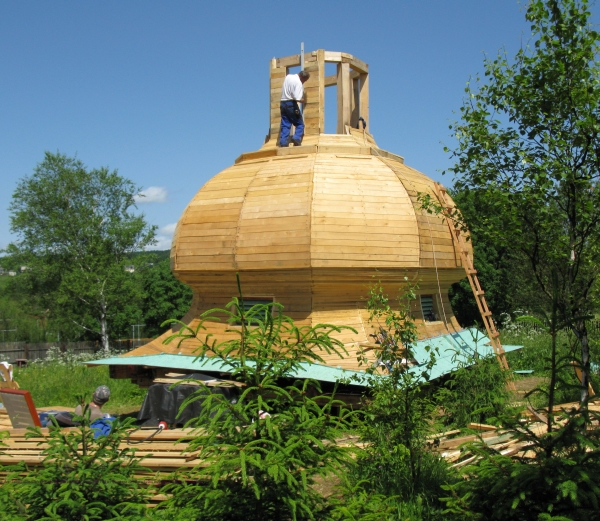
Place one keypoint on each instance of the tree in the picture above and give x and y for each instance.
(399, 409)
(507, 286)
(529, 145)
(165, 297)
(76, 231)
(261, 451)
(83, 475)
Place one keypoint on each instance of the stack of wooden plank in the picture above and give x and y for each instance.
(454, 449)
(162, 455)
(4, 419)
(168, 451)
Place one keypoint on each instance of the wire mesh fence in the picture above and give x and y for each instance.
(14, 352)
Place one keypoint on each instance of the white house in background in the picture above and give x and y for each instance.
(130, 268)
(12, 273)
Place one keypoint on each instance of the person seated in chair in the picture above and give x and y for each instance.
(99, 398)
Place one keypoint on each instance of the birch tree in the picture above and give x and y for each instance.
(76, 230)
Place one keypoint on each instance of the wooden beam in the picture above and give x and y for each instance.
(364, 99)
(355, 63)
(289, 61)
(330, 81)
(332, 57)
(344, 95)
(321, 73)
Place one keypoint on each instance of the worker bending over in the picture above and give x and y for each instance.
(292, 93)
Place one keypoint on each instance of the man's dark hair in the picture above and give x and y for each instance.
(304, 75)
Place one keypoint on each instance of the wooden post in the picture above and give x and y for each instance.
(364, 97)
(276, 77)
(355, 103)
(321, 79)
(343, 97)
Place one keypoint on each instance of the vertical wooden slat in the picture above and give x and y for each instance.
(343, 97)
(321, 73)
(364, 98)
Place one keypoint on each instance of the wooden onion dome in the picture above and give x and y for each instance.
(313, 226)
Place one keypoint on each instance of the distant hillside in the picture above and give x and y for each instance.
(160, 254)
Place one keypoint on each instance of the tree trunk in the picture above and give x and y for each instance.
(104, 328)
(582, 336)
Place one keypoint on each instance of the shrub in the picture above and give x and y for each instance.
(561, 482)
(475, 392)
(81, 477)
(262, 452)
(397, 416)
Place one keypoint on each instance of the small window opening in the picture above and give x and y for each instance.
(428, 309)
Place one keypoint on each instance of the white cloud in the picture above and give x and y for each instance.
(152, 194)
(164, 237)
(162, 243)
(168, 229)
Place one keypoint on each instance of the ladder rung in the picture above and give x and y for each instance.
(495, 334)
(487, 314)
(480, 292)
(471, 271)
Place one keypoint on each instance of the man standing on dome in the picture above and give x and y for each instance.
(292, 93)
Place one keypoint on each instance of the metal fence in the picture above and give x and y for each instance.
(12, 351)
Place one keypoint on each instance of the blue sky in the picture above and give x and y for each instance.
(170, 93)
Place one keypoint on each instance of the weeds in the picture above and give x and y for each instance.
(397, 414)
(81, 477)
(262, 451)
(59, 383)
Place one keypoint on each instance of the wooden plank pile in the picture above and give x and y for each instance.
(168, 451)
(454, 449)
(162, 455)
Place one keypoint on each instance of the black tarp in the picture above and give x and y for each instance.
(163, 401)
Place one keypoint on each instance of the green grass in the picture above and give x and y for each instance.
(59, 384)
(536, 354)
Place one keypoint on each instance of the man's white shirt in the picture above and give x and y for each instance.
(292, 88)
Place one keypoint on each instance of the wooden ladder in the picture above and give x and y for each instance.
(479, 294)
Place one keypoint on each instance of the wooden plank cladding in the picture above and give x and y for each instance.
(330, 202)
(313, 226)
(314, 296)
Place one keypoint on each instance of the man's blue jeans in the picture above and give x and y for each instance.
(290, 115)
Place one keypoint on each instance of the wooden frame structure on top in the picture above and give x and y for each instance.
(351, 79)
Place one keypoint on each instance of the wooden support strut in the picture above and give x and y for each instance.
(486, 314)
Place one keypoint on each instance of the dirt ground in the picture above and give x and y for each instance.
(529, 383)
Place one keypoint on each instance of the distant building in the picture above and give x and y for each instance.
(130, 268)
(12, 273)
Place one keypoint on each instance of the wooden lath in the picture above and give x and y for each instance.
(484, 310)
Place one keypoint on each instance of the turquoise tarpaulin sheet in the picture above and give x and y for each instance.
(451, 351)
